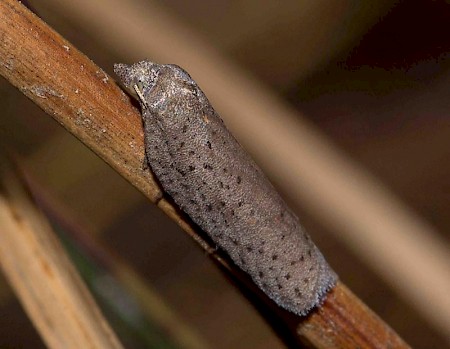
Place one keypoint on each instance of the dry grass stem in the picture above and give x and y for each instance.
(44, 279)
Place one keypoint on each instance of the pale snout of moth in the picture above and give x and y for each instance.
(210, 176)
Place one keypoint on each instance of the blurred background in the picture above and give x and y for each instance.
(361, 86)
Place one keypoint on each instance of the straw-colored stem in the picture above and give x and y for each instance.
(42, 276)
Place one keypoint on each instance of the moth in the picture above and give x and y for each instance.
(211, 177)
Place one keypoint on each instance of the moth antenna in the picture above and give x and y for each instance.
(140, 95)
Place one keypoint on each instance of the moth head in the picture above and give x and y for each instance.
(154, 84)
(138, 78)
